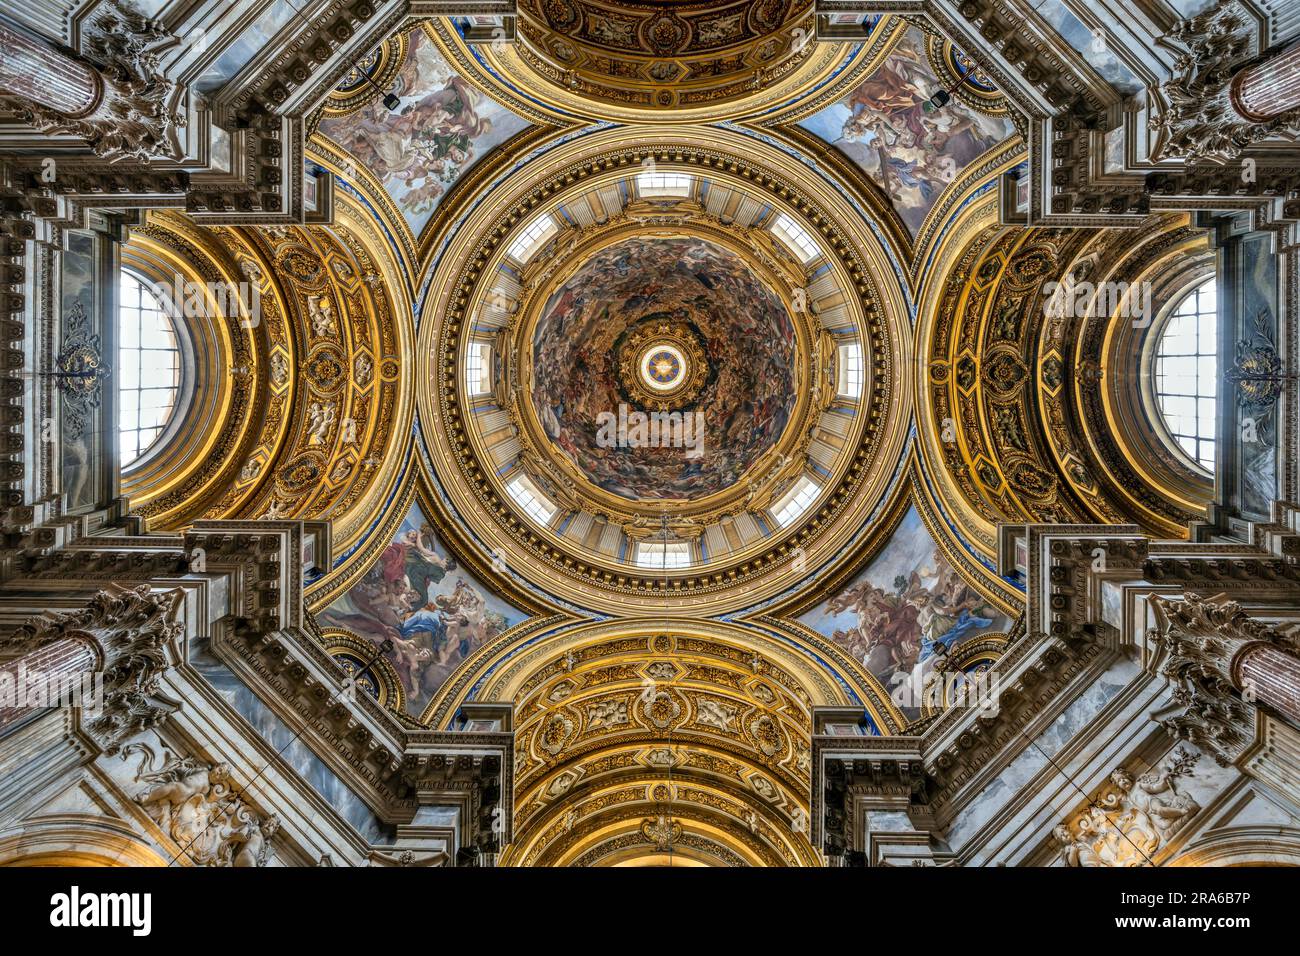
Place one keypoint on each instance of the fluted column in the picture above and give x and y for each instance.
(36, 72)
(1271, 674)
(53, 665)
(1223, 664)
(1270, 89)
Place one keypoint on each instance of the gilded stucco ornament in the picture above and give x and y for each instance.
(600, 726)
(1019, 420)
(304, 431)
(82, 369)
(633, 57)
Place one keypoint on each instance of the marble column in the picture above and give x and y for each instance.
(42, 672)
(1271, 674)
(1223, 665)
(33, 71)
(117, 98)
(1270, 89)
(127, 635)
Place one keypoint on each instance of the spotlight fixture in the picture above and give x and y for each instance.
(936, 102)
(392, 101)
(942, 98)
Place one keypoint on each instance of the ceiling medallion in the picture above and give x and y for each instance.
(767, 15)
(561, 14)
(666, 33)
(662, 365)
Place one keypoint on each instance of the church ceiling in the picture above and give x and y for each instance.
(672, 325)
(665, 741)
(780, 247)
(832, 437)
(647, 56)
(1022, 420)
(417, 151)
(908, 611)
(642, 62)
(436, 612)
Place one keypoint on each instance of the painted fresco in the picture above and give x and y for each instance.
(442, 127)
(907, 606)
(435, 613)
(748, 343)
(883, 127)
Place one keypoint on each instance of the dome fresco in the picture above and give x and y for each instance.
(644, 288)
(648, 432)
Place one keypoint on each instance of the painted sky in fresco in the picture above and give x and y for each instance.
(436, 613)
(441, 129)
(911, 154)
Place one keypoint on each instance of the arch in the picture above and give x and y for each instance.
(76, 840)
(645, 739)
(1243, 846)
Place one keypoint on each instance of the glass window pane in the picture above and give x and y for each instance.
(148, 368)
(1187, 372)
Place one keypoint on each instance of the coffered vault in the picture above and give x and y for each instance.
(640, 425)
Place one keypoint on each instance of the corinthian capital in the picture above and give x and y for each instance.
(1200, 122)
(133, 632)
(134, 112)
(1201, 639)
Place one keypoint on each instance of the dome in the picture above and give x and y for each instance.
(663, 368)
(664, 371)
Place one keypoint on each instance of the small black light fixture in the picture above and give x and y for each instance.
(392, 101)
(942, 98)
(937, 102)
